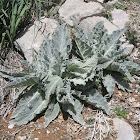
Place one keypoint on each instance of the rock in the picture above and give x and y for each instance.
(11, 126)
(32, 37)
(128, 48)
(77, 10)
(120, 18)
(88, 24)
(125, 131)
(21, 137)
(101, 1)
(111, 3)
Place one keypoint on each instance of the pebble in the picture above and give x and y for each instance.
(11, 126)
(48, 132)
(21, 137)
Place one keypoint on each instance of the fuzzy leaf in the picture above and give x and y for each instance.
(132, 67)
(119, 67)
(109, 84)
(12, 76)
(93, 97)
(23, 81)
(51, 112)
(121, 82)
(75, 111)
(109, 45)
(32, 103)
(52, 84)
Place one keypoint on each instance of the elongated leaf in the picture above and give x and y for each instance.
(12, 76)
(119, 67)
(121, 82)
(32, 103)
(23, 81)
(132, 67)
(109, 45)
(93, 97)
(109, 84)
(51, 113)
(53, 83)
(75, 111)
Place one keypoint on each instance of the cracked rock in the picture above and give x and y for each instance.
(77, 10)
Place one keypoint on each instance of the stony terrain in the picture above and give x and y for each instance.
(98, 125)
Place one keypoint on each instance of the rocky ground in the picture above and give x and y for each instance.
(122, 124)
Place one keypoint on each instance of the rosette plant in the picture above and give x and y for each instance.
(67, 72)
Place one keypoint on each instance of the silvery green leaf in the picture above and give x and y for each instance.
(132, 67)
(109, 84)
(51, 112)
(12, 75)
(109, 45)
(52, 83)
(93, 97)
(121, 82)
(83, 48)
(82, 71)
(103, 63)
(119, 67)
(75, 111)
(32, 103)
(28, 80)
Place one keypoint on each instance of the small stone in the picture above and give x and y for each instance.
(111, 3)
(128, 48)
(131, 99)
(11, 126)
(48, 132)
(125, 131)
(136, 104)
(36, 138)
(74, 129)
(21, 137)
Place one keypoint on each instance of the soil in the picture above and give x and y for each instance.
(64, 128)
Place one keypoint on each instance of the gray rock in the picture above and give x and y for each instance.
(111, 3)
(21, 137)
(120, 18)
(88, 24)
(125, 131)
(77, 10)
(128, 48)
(32, 38)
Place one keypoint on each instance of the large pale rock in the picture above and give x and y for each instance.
(32, 38)
(76, 10)
(124, 130)
(88, 24)
(120, 18)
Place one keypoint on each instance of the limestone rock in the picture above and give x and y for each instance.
(88, 24)
(124, 130)
(111, 3)
(128, 48)
(120, 18)
(76, 10)
(32, 38)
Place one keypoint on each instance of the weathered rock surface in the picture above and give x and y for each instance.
(120, 18)
(128, 48)
(88, 24)
(124, 130)
(32, 38)
(76, 10)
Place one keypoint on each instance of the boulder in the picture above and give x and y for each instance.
(77, 10)
(124, 130)
(88, 24)
(120, 18)
(33, 36)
